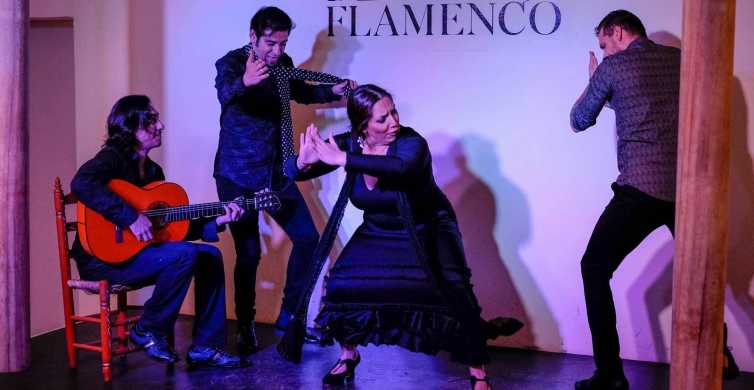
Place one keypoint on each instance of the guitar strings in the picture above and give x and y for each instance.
(186, 209)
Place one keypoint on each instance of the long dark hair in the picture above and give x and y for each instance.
(360, 105)
(130, 113)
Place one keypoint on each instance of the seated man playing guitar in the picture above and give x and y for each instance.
(134, 128)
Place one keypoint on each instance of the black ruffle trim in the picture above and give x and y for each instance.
(418, 331)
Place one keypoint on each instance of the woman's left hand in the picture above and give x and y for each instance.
(328, 152)
(233, 212)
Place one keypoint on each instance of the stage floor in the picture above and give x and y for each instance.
(382, 368)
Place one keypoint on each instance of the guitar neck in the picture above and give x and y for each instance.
(200, 210)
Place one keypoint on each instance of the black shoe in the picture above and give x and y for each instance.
(214, 357)
(598, 382)
(503, 326)
(284, 318)
(344, 377)
(474, 381)
(154, 346)
(247, 339)
(730, 368)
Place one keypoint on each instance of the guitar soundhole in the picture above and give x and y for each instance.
(158, 221)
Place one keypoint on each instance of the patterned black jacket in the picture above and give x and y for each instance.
(248, 152)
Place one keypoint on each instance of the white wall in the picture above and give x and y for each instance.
(494, 108)
(52, 152)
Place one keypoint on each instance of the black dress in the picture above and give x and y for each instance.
(402, 278)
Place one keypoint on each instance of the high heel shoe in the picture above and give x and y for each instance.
(344, 377)
(474, 381)
(503, 326)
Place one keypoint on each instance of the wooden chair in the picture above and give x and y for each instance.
(109, 344)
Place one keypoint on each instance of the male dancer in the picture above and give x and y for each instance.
(255, 141)
(640, 80)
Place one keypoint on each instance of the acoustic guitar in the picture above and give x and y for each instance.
(167, 207)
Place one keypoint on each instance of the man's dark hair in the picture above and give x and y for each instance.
(129, 114)
(272, 18)
(623, 19)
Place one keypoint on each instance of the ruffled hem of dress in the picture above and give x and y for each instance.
(418, 331)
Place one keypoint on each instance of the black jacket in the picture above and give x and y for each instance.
(249, 146)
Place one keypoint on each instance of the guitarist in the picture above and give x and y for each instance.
(134, 128)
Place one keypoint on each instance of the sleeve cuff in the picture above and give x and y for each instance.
(127, 217)
(290, 168)
(210, 230)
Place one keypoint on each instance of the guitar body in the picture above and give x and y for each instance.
(104, 240)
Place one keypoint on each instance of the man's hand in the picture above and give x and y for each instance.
(233, 212)
(307, 154)
(592, 64)
(142, 228)
(340, 88)
(256, 71)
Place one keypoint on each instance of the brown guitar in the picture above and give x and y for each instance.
(167, 207)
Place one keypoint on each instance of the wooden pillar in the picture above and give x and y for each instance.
(702, 199)
(14, 227)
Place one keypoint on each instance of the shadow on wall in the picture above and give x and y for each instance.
(741, 220)
(651, 294)
(499, 276)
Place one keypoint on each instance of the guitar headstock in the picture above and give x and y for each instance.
(266, 199)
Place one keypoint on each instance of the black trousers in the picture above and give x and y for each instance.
(295, 219)
(629, 218)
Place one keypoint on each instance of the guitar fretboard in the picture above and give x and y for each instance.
(201, 210)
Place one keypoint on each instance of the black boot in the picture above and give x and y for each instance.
(503, 326)
(730, 368)
(603, 382)
(247, 339)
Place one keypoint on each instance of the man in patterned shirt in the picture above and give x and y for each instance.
(640, 81)
(250, 155)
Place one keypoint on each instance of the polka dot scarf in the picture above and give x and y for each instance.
(282, 77)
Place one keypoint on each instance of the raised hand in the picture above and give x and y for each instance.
(592, 63)
(256, 71)
(340, 88)
(328, 152)
(142, 228)
(307, 154)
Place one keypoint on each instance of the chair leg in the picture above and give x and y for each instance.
(104, 316)
(121, 331)
(70, 330)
